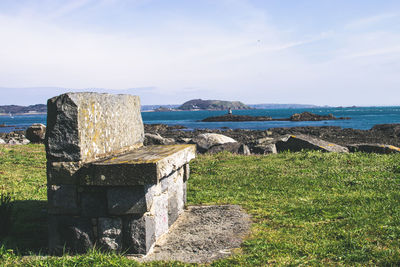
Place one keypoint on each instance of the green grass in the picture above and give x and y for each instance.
(308, 208)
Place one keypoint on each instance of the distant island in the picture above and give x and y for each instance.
(16, 110)
(199, 104)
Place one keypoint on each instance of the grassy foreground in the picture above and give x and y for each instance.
(308, 208)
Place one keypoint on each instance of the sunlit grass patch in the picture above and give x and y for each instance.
(307, 208)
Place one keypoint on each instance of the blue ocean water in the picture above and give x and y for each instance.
(361, 118)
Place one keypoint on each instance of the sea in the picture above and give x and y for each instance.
(361, 118)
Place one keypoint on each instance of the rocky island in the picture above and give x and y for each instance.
(199, 104)
(304, 116)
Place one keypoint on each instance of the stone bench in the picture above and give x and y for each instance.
(105, 189)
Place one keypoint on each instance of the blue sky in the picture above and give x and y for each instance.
(325, 52)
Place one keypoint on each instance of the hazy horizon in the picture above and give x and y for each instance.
(334, 52)
(177, 104)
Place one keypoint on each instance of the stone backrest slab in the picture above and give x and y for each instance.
(88, 126)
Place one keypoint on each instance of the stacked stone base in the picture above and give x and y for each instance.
(116, 218)
(105, 189)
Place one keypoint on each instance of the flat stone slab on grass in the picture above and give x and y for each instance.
(202, 234)
(145, 165)
(296, 143)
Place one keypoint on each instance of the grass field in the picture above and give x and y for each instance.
(308, 208)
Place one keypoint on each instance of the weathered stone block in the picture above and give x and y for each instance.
(186, 169)
(131, 200)
(88, 126)
(109, 232)
(94, 202)
(139, 233)
(173, 208)
(175, 195)
(184, 192)
(62, 199)
(63, 173)
(70, 234)
(167, 182)
(164, 183)
(160, 212)
(145, 165)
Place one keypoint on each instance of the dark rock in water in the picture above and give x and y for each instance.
(304, 142)
(36, 133)
(373, 148)
(230, 117)
(236, 148)
(305, 116)
(308, 116)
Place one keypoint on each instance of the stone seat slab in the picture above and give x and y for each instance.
(145, 165)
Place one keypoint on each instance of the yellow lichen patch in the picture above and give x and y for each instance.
(331, 145)
(149, 154)
(394, 148)
(322, 147)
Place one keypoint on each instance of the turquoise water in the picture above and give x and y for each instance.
(361, 118)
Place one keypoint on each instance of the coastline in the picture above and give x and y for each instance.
(23, 114)
(388, 134)
(379, 135)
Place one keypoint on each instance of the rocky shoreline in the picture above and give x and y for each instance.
(382, 134)
(304, 116)
(382, 137)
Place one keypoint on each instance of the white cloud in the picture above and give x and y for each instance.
(48, 55)
(244, 57)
